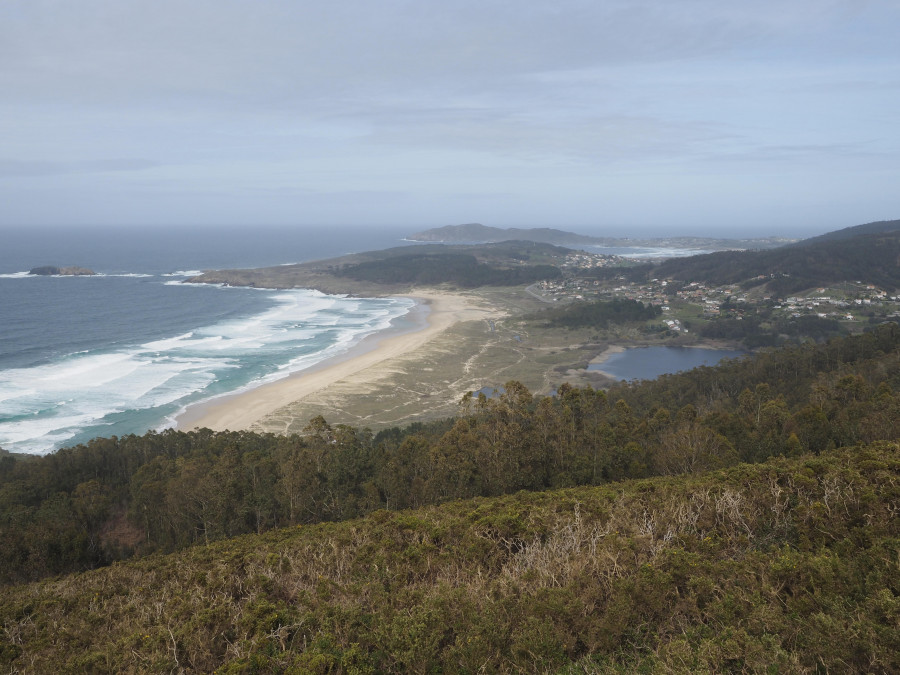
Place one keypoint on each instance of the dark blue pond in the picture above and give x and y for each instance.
(647, 363)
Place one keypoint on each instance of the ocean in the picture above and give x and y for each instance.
(125, 351)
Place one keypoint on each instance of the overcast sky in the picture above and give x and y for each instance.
(644, 116)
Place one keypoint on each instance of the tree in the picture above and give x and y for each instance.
(690, 448)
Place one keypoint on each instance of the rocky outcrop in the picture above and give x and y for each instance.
(50, 270)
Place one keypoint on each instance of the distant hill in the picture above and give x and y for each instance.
(877, 227)
(868, 253)
(476, 232)
(460, 269)
(397, 269)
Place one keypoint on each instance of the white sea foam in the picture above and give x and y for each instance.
(131, 275)
(46, 406)
(665, 253)
(184, 273)
(167, 343)
(650, 252)
(173, 282)
(96, 275)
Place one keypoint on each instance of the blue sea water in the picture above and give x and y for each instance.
(126, 350)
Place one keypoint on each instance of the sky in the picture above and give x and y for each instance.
(702, 117)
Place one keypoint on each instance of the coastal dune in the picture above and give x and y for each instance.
(438, 311)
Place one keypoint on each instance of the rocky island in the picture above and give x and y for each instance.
(50, 270)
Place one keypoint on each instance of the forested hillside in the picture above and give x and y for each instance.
(387, 270)
(598, 314)
(483, 233)
(877, 227)
(789, 566)
(459, 269)
(870, 258)
(117, 497)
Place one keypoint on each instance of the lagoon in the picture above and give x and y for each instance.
(647, 363)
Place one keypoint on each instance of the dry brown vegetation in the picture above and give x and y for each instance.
(790, 565)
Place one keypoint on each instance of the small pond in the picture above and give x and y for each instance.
(647, 363)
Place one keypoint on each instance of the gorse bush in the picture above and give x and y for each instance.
(784, 566)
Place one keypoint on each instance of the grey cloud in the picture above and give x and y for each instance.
(313, 99)
(103, 51)
(805, 155)
(584, 140)
(14, 167)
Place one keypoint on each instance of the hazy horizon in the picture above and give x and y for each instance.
(400, 231)
(642, 117)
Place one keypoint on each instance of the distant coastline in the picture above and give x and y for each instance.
(476, 233)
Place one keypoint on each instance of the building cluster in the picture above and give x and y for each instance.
(584, 260)
(845, 302)
(841, 302)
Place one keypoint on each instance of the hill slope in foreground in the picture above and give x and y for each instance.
(786, 566)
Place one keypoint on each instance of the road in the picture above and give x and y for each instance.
(537, 295)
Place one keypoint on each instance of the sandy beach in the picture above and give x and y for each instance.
(240, 411)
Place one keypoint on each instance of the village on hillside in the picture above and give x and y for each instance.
(850, 303)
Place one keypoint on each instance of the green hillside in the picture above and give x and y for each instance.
(459, 269)
(786, 566)
(878, 227)
(476, 232)
(869, 258)
(483, 233)
(866, 253)
(401, 268)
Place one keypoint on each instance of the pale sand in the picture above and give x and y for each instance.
(600, 358)
(609, 351)
(240, 411)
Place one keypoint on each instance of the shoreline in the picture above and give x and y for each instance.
(434, 313)
(603, 356)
